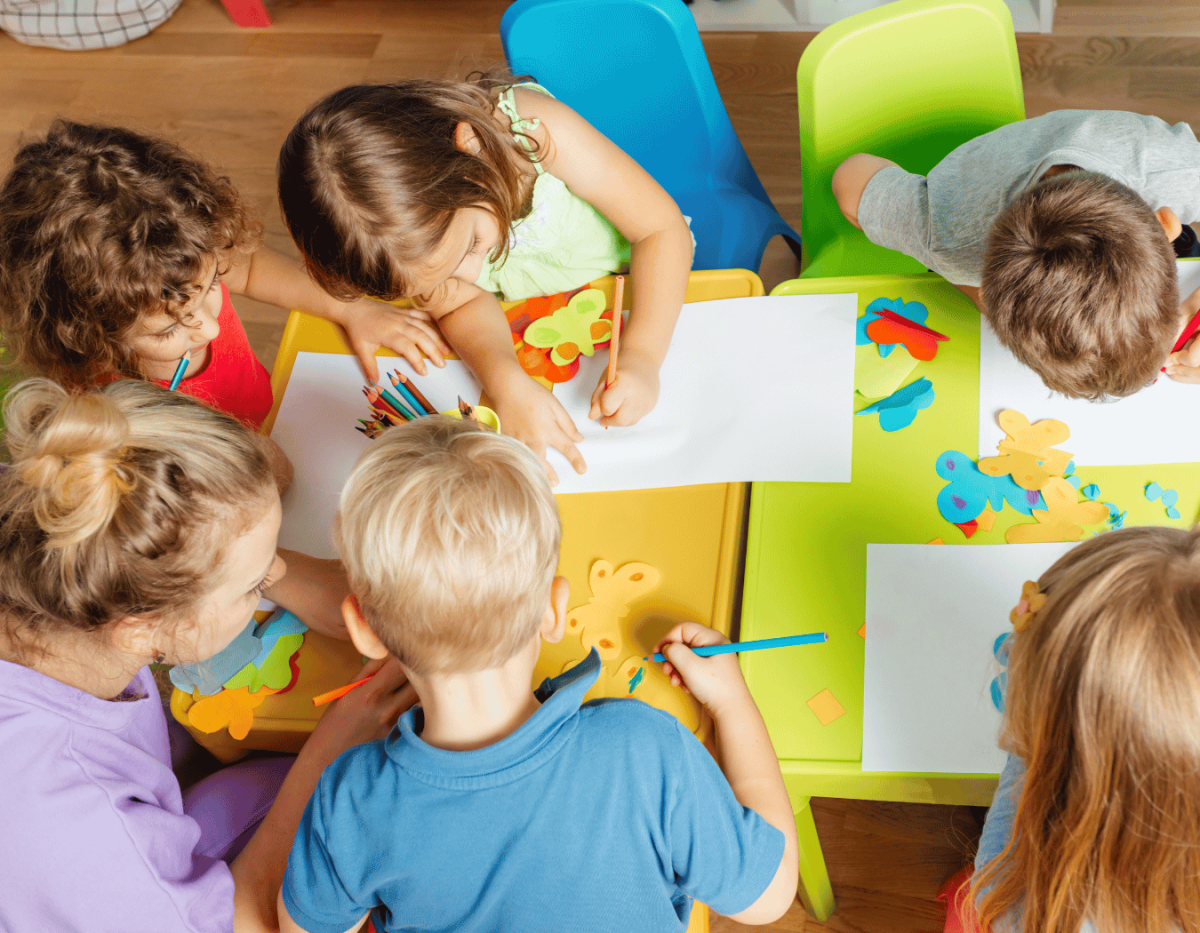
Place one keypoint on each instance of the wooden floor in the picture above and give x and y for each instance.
(231, 95)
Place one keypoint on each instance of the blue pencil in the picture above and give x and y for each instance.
(396, 403)
(814, 638)
(178, 377)
(407, 395)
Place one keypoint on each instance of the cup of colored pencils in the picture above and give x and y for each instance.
(479, 413)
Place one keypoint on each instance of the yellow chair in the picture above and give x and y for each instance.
(910, 82)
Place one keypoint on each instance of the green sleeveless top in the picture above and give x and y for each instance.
(562, 243)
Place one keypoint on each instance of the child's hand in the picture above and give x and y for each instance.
(1184, 366)
(533, 416)
(371, 324)
(715, 681)
(632, 395)
(366, 713)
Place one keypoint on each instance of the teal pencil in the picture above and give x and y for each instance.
(178, 377)
(814, 638)
(396, 403)
(408, 396)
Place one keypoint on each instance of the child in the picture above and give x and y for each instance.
(453, 193)
(1096, 822)
(118, 252)
(1060, 228)
(136, 525)
(492, 807)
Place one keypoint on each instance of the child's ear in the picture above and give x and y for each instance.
(554, 622)
(361, 636)
(466, 139)
(132, 636)
(1171, 224)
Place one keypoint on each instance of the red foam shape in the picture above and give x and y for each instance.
(249, 13)
(891, 328)
(968, 528)
(294, 664)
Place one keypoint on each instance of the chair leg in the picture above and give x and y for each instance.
(815, 889)
(247, 12)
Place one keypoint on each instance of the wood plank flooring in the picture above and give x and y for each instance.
(231, 95)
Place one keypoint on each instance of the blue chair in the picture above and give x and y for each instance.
(636, 70)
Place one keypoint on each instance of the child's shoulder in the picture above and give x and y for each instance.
(631, 721)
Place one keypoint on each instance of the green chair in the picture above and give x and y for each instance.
(909, 81)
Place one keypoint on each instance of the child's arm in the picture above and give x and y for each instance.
(474, 323)
(602, 174)
(267, 275)
(744, 751)
(850, 180)
(361, 716)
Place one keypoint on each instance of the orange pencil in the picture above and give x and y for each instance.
(323, 698)
(615, 346)
(378, 401)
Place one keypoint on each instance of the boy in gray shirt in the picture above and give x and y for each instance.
(1060, 228)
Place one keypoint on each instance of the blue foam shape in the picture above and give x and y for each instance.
(1070, 469)
(1169, 498)
(900, 408)
(1153, 491)
(1172, 512)
(971, 490)
(280, 623)
(1074, 481)
(913, 310)
(208, 676)
(1092, 491)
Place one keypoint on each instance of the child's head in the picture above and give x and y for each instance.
(109, 244)
(133, 515)
(389, 190)
(1103, 705)
(1079, 283)
(450, 537)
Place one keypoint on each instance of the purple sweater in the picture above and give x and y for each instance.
(94, 837)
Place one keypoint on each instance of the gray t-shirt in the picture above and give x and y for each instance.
(943, 220)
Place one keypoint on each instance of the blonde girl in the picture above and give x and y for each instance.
(1096, 822)
(136, 525)
(457, 193)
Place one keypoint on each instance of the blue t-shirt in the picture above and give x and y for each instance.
(605, 817)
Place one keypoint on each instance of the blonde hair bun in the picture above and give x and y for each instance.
(70, 450)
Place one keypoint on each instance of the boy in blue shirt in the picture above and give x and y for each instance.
(491, 807)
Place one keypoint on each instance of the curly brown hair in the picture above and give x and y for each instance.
(1079, 283)
(99, 227)
(370, 178)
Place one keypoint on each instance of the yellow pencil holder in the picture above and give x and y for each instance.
(486, 416)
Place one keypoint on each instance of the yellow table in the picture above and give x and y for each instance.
(692, 535)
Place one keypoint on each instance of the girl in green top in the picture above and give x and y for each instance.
(455, 193)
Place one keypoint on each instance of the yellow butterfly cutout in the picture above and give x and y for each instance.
(1028, 452)
(1062, 517)
(571, 330)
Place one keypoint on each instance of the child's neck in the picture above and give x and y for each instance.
(476, 709)
(77, 661)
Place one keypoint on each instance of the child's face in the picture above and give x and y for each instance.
(160, 341)
(473, 233)
(250, 565)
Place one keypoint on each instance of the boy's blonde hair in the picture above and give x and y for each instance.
(450, 536)
(1104, 707)
(117, 504)
(1079, 283)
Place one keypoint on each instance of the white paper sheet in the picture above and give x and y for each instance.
(753, 389)
(933, 615)
(1142, 429)
(315, 427)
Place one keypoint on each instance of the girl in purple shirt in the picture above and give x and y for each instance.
(137, 525)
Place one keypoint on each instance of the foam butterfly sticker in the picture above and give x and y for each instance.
(572, 330)
(900, 408)
(971, 491)
(598, 621)
(232, 708)
(281, 637)
(1169, 498)
(1028, 453)
(1062, 517)
(919, 340)
(910, 310)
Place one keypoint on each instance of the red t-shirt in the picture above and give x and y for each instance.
(234, 381)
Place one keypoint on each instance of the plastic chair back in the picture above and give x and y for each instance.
(637, 71)
(909, 81)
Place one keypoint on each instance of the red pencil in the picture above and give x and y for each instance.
(378, 401)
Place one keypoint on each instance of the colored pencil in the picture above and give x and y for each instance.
(322, 698)
(178, 377)
(408, 397)
(397, 404)
(429, 409)
(615, 346)
(466, 410)
(377, 401)
(381, 415)
(359, 427)
(814, 638)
